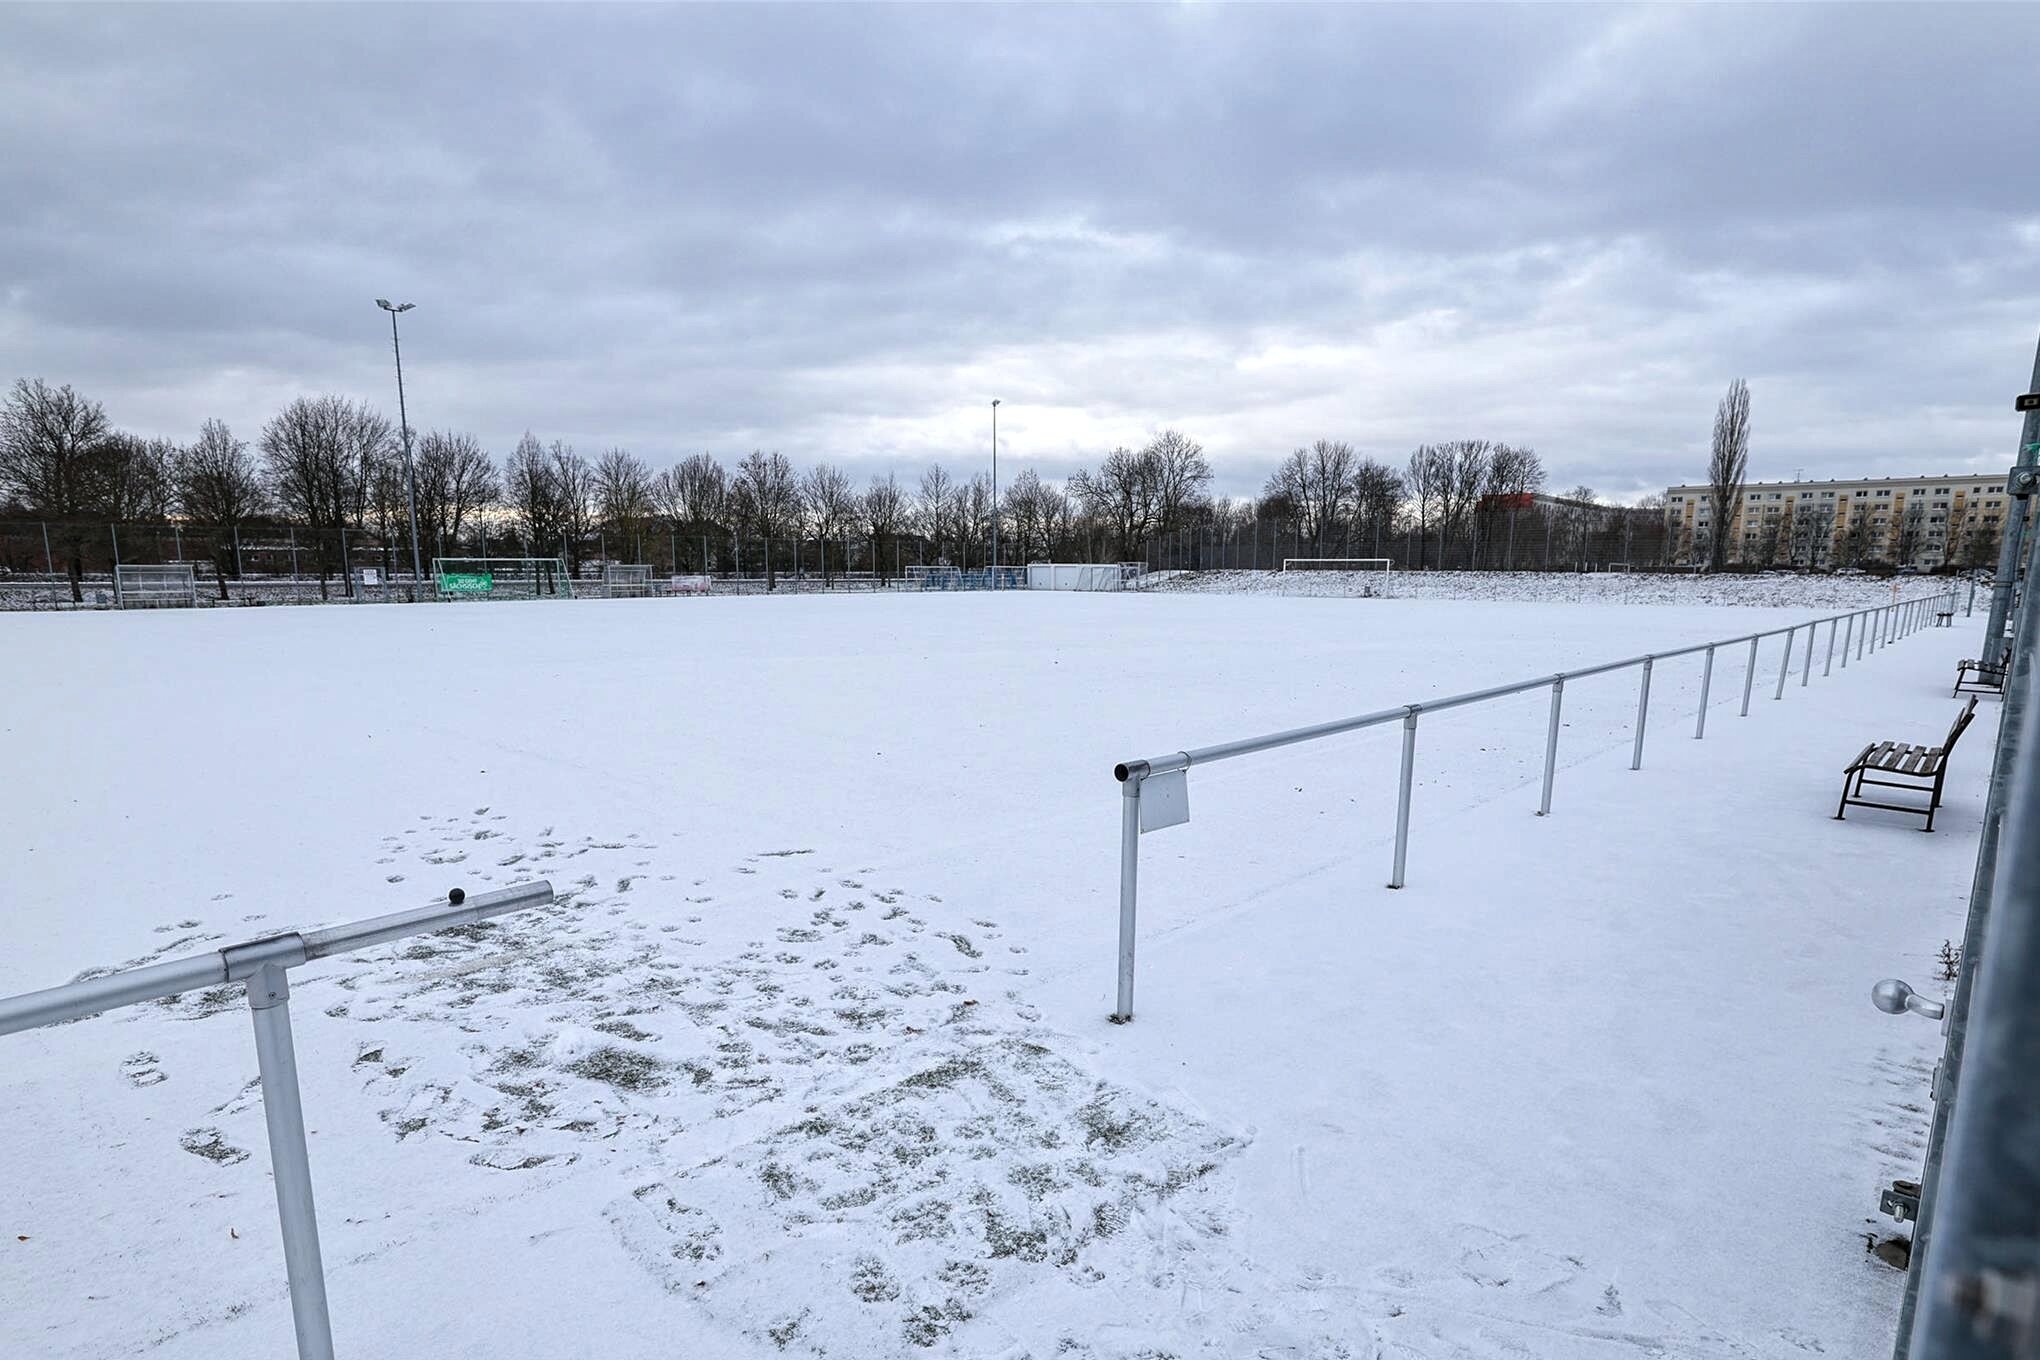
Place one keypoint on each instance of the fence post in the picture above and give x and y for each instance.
(1642, 716)
(1402, 804)
(1551, 745)
(1749, 678)
(1848, 639)
(282, 1110)
(1706, 682)
(1876, 627)
(1806, 674)
(1785, 662)
(1966, 613)
(1863, 636)
(1129, 883)
(49, 558)
(1827, 667)
(114, 529)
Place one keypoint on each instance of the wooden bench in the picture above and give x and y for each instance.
(1983, 677)
(1919, 768)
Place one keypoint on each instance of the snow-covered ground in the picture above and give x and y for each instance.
(812, 1058)
(1823, 593)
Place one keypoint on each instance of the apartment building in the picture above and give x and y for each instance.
(1922, 522)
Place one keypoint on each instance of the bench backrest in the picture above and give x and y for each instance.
(1961, 722)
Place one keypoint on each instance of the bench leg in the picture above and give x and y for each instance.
(1843, 806)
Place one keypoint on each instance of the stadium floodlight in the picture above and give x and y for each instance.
(995, 493)
(404, 423)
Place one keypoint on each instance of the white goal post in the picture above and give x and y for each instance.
(621, 580)
(501, 578)
(168, 585)
(1384, 565)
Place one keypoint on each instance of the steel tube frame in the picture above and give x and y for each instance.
(1806, 673)
(264, 965)
(1827, 667)
(1848, 640)
(1706, 683)
(1402, 802)
(1784, 667)
(1642, 715)
(1133, 772)
(1551, 746)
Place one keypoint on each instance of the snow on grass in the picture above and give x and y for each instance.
(811, 1058)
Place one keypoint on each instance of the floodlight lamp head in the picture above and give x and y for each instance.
(995, 401)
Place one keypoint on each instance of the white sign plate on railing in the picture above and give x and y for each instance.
(1164, 801)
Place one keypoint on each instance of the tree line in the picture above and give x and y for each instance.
(333, 469)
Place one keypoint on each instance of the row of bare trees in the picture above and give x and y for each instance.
(332, 469)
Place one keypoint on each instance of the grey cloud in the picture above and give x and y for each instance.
(840, 230)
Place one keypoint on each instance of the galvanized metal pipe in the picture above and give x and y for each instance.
(1642, 716)
(1806, 674)
(1706, 682)
(1784, 667)
(1129, 889)
(1402, 802)
(1749, 678)
(289, 1163)
(1848, 639)
(1827, 667)
(1863, 636)
(1551, 747)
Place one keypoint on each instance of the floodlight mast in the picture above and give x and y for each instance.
(404, 423)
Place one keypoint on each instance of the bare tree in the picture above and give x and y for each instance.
(1462, 472)
(765, 497)
(1317, 484)
(694, 497)
(217, 486)
(1423, 486)
(1377, 496)
(886, 514)
(1728, 464)
(624, 501)
(574, 492)
(1514, 475)
(1179, 475)
(48, 436)
(456, 482)
(1123, 495)
(1813, 533)
(314, 474)
(937, 507)
(830, 504)
(136, 478)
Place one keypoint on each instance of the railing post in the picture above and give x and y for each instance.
(1749, 678)
(283, 1111)
(1785, 662)
(1706, 682)
(1876, 628)
(1642, 716)
(1827, 667)
(1971, 609)
(1806, 674)
(1864, 636)
(1402, 804)
(1129, 887)
(1848, 639)
(1551, 745)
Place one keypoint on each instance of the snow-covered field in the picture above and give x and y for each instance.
(1824, 593)
(812, 1058)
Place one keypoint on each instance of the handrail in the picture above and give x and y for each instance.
(264, 964)
(1880, 624)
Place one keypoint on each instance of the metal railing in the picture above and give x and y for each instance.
(1155, 792)
(264, 966)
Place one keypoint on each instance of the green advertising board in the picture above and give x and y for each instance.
(466, 582)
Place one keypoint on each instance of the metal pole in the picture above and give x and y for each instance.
(1402, 805)
(177, 537)
(237, 551)
(50, 559)
(1706, 682)
(1551, 746)
(282, 1110)
(1807, 674)
(1863, 637)
(1980, 1146)
(995, 494)
(1642, 716)
(1129, 888)
(1966, 613)
(410, 470)
(1785, 663)
(1848, 639)
(1827, 667)
(293, 554)
(1749, 678)
(114, 529)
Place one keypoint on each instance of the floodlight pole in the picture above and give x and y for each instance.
(994, 494)
(404, 424)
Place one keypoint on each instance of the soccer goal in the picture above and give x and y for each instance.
(1618, 568)
(626, 580)
(502, 578)
(1384, 565)
(169, 585)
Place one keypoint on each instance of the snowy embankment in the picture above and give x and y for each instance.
(811, 1059)
(1823, 593)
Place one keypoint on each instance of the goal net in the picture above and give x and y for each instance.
(502, 578)
(171, 584)
(624, 580)
(1379, 564)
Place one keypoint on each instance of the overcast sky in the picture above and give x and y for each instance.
(840, 232)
